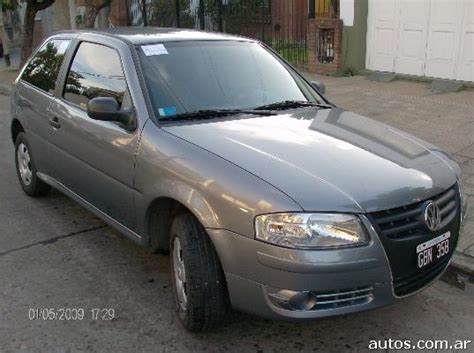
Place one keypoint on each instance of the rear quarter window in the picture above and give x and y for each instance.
(96, 71)
(43, 69)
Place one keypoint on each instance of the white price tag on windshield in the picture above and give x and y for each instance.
(154, 49)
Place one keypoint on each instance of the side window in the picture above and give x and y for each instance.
(42, 70)
(96, 71)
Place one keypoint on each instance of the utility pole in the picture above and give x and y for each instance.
(312, 9)
(178, 14)
(144, 13)
(202, 23)
(220, 26)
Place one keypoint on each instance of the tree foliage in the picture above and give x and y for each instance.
(8, 5)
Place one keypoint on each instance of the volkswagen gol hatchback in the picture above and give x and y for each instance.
(270, 199)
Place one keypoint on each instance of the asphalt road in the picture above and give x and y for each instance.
(54, 254)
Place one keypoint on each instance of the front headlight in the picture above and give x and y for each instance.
(310, 230)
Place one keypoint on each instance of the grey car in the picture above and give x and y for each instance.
(269, 198)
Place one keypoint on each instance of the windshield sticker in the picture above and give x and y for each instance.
(154, 49)
(167, 111)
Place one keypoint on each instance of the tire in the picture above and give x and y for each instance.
(26, 169)
(206, 300)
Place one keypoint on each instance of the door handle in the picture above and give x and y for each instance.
(54, 122)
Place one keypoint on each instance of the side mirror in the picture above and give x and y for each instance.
(107, 109)
(319, 86)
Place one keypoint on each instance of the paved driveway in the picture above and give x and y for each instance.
(54, 254)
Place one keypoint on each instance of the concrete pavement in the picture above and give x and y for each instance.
(7, 75)
(54, 254)
(14, 59)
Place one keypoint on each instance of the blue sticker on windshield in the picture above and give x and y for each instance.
(167, 111)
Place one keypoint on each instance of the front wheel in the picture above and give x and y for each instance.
(26, 169)
(199, 284)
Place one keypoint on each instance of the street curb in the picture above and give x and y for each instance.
(461, 269)
(5, 89)
(463, 264)
(415, 78)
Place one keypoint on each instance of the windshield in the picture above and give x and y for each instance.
(184, 77)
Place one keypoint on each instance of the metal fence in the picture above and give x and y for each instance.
(282, 24)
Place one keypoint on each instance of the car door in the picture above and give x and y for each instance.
(34, 95)
(97, 157)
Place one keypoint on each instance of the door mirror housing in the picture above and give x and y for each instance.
(107, 109)
(319, 86)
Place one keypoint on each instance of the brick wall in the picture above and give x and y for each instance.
(314, 27)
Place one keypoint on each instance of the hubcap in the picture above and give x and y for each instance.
(179, 274)
(24, 164)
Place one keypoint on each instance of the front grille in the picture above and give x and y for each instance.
(343, 298)
(402, 229)
(402, 222)
(410, 284)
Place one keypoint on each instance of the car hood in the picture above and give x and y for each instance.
(326, 159)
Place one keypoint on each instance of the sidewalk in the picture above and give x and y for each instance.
(8, 74)
(14, 59)
(446, 120)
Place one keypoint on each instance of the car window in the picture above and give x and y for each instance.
(42, 70)
(96, 71)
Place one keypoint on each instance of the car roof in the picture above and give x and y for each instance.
(144, 35)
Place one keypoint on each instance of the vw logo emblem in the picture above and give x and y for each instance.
(432, 216)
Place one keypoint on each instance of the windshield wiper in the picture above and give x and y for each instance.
(290, 104)
(213, 113)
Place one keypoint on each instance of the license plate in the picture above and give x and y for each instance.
(433, 250)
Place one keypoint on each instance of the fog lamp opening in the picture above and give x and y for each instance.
(294, 300)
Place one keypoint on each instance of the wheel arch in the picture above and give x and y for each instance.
(16, 128)
(159, 217)
(167, 198)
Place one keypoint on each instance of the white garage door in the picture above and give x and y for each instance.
(432, 38)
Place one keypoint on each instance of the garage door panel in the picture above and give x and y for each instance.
(410, 58)
(445, 51)
(444, 37)
(384, 41)
(383, 49)
(422, 37)
(465, 69)
(383, 34)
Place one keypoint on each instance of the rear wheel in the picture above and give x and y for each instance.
(26, 169)
(198, 280)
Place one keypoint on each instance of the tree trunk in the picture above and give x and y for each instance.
(28, 29)
(32, 7)
(89, 16)
(92, 9)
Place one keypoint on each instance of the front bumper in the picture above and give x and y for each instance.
(256, 271)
